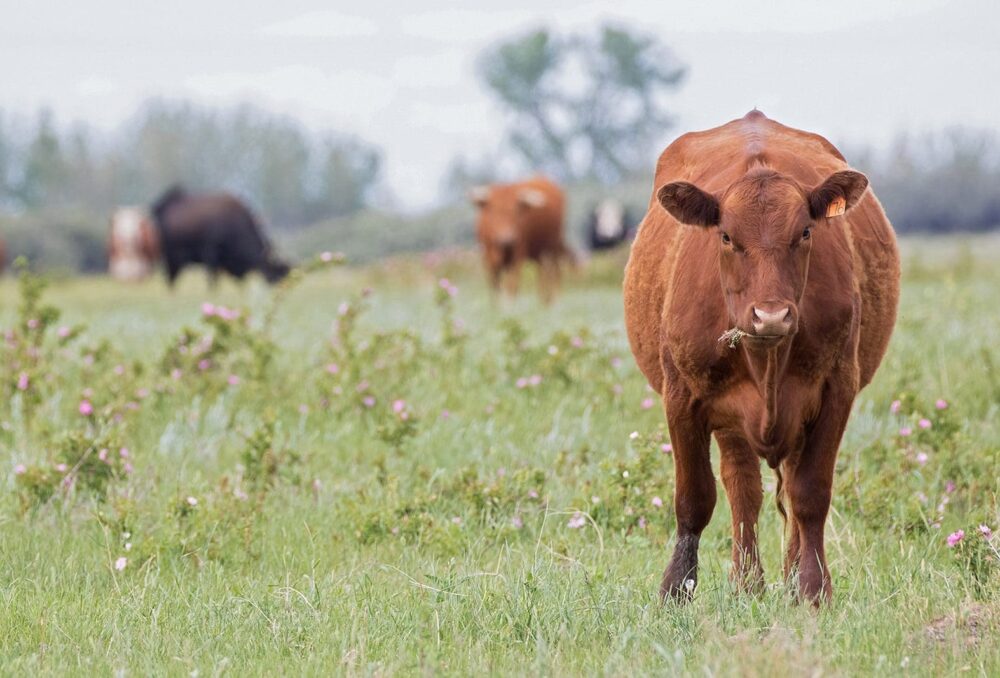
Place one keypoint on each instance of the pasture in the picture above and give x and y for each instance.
(377, 471)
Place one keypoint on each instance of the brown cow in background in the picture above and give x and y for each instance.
(759, 298)
(518, 222)
(133, 246)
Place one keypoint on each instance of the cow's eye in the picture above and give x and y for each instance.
(806, 234)
(726, 240)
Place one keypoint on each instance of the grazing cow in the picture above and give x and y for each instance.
(760, 295)
(609, 224)
(133, 246)
(215, 230)
(518, 222)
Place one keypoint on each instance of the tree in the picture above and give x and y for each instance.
(584, 106)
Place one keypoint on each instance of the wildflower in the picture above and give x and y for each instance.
(20, 470)
(233, 380)
(175, 374)
(326, 257)
(657, 502)
(456, 520)
(204, 364)
(62, 468)
(595, 500)
(228, 313)
(517, 522)
(395, 530)
(119, 370)
(142, 393)
(121, 563)
(576, 342)
(577, 521)
(128, 546)
(647, 403)
(633, 435)
(33, 324)
(303, 409)
(102, 454)
(906, 431)
(448, 287)
(625, 474)
(922, 458)
(616, 362)
(368, 401)
(955, 537)
(553, 350)
(666, 448)
(191, 501)
(316, 485)
(895, 406)
(86, 409)
(924, 424)
(63, 332)
(343, 308)
(985, 531)
(362, 386)
(207, 309)
(22, 381)
(941, 404)
(398, 406)
(642, 522)
(240, 494)
(128, 468)
(532, 494)
(521, 383)
(333, 368)
(949, 486)
(535, 379)
(445, 414)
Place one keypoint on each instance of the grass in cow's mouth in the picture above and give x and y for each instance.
(418, 480)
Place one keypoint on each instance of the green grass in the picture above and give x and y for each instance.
(330, 537)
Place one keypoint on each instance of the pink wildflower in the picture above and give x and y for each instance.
(445, 414)
(894, 407)
(121, 563)
(456, 520)
(924, 424)
(333, 368)
(985, 531)
(61, 467)
(949, 486)
(906, 431)
(303, 409)
(666, 448)
(657, 502)
(128, 468)
(576, 342)
(326, 257)
(647, 403)
(20, 470)
(535, 379)
(398, 406)
(123, 453)
(642, 522)
(521, 383)
(533, 494)
(33, 324)
(233, 380)
(204, 364)
(22, 381)
(941, 404)
(368, 401)
(207, 309)
(955, 537)
(191, 501)
(175, 374)
(616, 362)
(517, 521)
(343, 308)
(63, 332)
(85, 408)
(922, 458)
(577, 521)
(119, 370)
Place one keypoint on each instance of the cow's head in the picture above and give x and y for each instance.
(501, 211)
(765, 222)
(274, 269)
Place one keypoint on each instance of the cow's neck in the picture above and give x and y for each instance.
(768, 369)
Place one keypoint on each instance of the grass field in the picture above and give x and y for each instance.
(407, 481)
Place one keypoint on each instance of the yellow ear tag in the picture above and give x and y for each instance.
(836, 207)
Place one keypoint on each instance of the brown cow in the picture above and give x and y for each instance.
(760, 295)
(133, 245)
(518, 222)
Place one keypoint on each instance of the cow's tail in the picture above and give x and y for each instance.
(779, 494)
(163, 203)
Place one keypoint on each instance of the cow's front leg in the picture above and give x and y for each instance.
(811, 486)
(740, 469)
(694, 496)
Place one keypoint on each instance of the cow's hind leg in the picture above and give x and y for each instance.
(694, 498)
(740, 469)
(548, 278)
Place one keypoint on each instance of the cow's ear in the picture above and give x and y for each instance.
(840, 192)
(689, 204)
(531, 197)
(478, 195)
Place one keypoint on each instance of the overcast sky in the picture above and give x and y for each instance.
(401, 74)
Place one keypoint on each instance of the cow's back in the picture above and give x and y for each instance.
(713, 160)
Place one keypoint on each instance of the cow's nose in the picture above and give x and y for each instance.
(772, 323)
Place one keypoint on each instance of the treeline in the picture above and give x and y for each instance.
(945, 182)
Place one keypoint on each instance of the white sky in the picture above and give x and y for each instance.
(402, 74)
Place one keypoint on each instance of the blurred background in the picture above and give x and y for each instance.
(360, 128)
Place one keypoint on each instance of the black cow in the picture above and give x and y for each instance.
(215, 230)
(610, 224)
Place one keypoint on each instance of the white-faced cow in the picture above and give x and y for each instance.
(133, 245)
